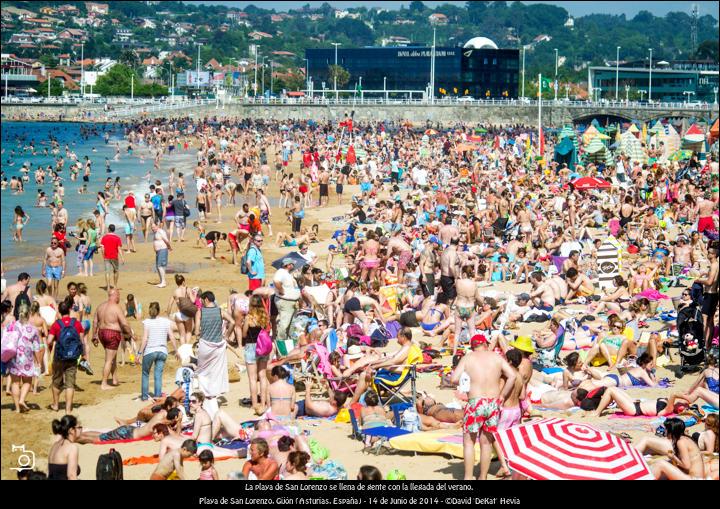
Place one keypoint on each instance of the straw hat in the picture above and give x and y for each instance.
(523, 343)
(354, 352)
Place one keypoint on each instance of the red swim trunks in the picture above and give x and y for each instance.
(481, 414)
(110, 339)
(233, 242)
(705, 223)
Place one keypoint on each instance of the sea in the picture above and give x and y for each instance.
(16, 136)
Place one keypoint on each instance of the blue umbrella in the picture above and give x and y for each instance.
(299, 261)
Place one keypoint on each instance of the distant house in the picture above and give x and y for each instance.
(67, 9)
(151, 67)
(236, 15)
(570, 23)
(73, 34)
(438, 19)
(19, 13)
(123, 35)
(395, 40)
(145, 23)
(38, 22)
(20, 39)
(68, 82)
(64, 59)
(340, 14)
(542, 38)
(276, 18)
(212, 64)
(49, 11)
(259, 35)
(99, 9)
(404, 22)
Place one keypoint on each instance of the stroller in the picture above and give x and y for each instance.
(691, 341)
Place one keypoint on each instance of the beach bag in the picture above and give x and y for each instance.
(10, 338)
(109, 467)
(243, 261)
(69, 346)
(186, 210)
(264, 344)
(410, 420)
(354, 330)
(187, 307)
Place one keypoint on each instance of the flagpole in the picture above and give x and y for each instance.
(540, 110)
(342, 133)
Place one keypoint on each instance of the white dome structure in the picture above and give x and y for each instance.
(480, 43)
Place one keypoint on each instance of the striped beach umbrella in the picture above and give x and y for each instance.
(554, 449)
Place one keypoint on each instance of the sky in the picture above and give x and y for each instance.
(630, 9)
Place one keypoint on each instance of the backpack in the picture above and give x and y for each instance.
(109, 467)
(264, 344)
(10, 338)
(69, 346)
(21, 299)
(243, 262)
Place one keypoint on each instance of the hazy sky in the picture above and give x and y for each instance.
(630, 9)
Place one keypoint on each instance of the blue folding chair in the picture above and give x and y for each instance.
(383, 433)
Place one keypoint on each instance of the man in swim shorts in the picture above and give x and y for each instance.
(109, 325)
(486, 371)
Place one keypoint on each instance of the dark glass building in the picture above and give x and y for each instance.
(475, 72)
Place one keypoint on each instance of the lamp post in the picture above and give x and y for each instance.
(263, 75)
(197, 80)
(82, 69)
(642, 94)
(598, 92)
(650, 79)
(272, 82)
(132, 86)
(556, 68)
(715, 91)
(386, 94)
(255, 86)
(617, 72)
(336, 44)
(432, 70)
(627, 94)
(687, 94)
(307, 74)
(523, 74)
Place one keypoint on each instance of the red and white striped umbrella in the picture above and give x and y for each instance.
(553, 449)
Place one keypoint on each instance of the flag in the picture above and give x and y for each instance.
(546, 84)
(347, 123)
(350, 157)
(455, 90)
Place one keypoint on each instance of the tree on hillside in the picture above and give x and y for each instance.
(476, 11)
(708, 50)
(343, 76)
(417, 6)
(118, 81)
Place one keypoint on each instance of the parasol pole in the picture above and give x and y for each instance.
(540, 112)
(342, 133)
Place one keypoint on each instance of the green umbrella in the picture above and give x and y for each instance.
(681, 155)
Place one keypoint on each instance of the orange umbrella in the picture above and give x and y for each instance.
(465, 147)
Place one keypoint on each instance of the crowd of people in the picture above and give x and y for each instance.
(453, 240)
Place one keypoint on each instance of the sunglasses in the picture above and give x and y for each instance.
(686, 293)
(193, 401)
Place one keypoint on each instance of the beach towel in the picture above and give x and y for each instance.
(212, 371)
(434, 442)
(393, 328)
(155, 459)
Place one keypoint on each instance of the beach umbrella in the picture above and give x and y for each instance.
(694, 134)
(431, 132)
(556, 449)
(586, 183)
(681, 155)
(300, 262)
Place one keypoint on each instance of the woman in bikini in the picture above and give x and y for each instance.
(282, 396)
(184, 323)
(372, 415)
(639, 376)
(353, 303)
(20, 220)
(684, 461)
(705, 388)
(616, 301)
(369, 261)
(607, 347)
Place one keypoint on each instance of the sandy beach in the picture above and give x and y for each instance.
(96, 409)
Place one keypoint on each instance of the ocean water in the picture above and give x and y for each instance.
(27, 255)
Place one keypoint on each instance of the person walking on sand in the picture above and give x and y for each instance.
(162, 246)
(486, 371)
(53, 266)
(110, 325)
(111, 246)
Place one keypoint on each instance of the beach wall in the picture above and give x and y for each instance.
(52, 112)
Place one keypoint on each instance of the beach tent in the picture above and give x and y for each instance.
(633, 129)
(670, 140)
(566, 152)
(631, 147)
(589, 134)
(597, 152)
(715, 131)
(693, 139)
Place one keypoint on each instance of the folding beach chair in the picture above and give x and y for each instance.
(389, 388)
(383, 433)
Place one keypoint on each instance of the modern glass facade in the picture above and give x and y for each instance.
(479, 73)
(668, 85)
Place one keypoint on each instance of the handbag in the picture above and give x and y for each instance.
(186, 210)
(264, 344)
(187, 307)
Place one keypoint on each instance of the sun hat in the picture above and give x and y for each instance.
(288, 261)
(354, 352)
(523, 343)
